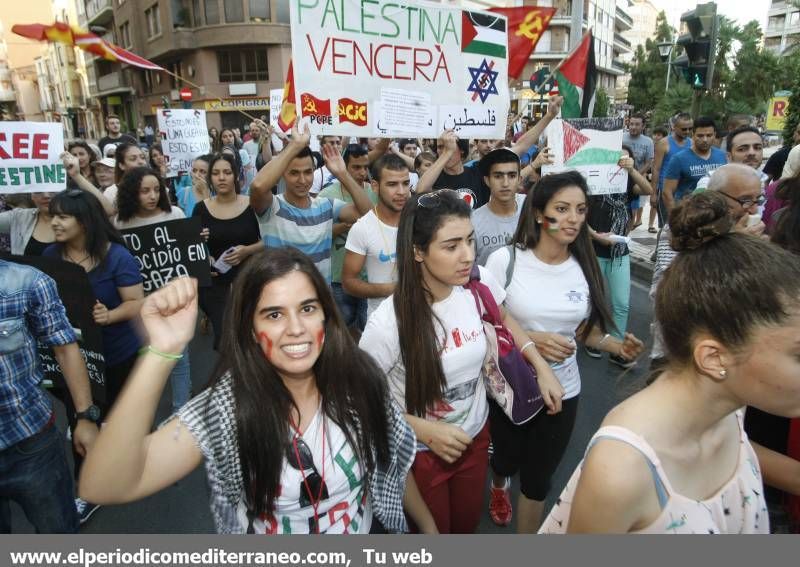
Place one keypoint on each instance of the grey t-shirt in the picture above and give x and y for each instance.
(492, 231)
(643, 149)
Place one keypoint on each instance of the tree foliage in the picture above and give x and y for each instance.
(602, 103)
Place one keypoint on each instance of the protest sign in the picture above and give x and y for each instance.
(777, 108)
(184, 136)
(275, 100)
(76, 295)
(592, 146)
(29, 157)
(391, 68)
(169, 250)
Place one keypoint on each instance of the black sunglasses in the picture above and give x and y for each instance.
(313, 483)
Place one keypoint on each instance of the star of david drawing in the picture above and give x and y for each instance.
(484, 80)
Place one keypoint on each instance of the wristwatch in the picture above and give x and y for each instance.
(92, 413)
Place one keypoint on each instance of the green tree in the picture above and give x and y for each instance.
(755, 75)
(602, 103)
(648, 71)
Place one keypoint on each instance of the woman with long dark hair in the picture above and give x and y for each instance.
(429, 339)
(234, 236)
(86, 158)
(297, 429)
(126, 156)
(142, 199)
(674, 458)
(556, 292)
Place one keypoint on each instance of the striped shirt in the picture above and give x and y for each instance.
(310, 229)
(30, 311)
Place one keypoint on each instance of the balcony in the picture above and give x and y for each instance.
(622, 21)
(99, 12)
(778, 5)
(111, 82)
(618, 65)
(622, 44)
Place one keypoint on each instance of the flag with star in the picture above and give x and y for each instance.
(526, 24)
(577, 79)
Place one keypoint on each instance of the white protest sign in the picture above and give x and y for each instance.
(184, 136)
(397, 68)
(29, 157)
(591, 146)
(275, 100)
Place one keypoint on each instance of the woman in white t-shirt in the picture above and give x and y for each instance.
(429, 339)
(297, 430)
(556, 293)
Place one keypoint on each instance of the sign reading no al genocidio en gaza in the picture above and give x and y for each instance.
(390, 68)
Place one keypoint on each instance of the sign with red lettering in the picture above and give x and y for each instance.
(390, 68)
(30, 157)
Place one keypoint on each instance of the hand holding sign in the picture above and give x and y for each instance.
(70, 164)
(626, 162)
(544, 157)
(169, 315)
(449, 139)
(554, 105)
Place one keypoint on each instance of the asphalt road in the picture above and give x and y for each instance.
(183, 507)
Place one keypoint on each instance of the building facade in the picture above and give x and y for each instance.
(783, 27)
(228, 53)
(645, 20)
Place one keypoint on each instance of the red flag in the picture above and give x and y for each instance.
(288, 106)
(526, 24)
(64, 33)
(352, 111)
(313, 106)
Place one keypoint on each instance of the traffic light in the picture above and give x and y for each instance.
(699, 43)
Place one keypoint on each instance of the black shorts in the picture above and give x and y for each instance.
(534, 448)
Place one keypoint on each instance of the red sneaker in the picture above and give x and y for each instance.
(500, 504)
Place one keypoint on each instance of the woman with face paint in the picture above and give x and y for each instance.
(674, 457)
(556, 292)
(429, 339)
(297, 429)
(233, 235)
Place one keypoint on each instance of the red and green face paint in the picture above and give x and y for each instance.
(551, 225)
(266, 345)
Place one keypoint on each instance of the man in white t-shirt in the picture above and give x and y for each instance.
(372, 240)
(323, 176)
(496, 221)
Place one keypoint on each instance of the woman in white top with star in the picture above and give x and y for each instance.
(674, 458)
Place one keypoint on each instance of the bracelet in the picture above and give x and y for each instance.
(603, 339)
(148, 348)
(526, 345)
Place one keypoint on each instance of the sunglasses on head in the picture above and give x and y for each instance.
(434, 198)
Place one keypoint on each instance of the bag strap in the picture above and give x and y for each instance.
(472, 285)
(512, 253)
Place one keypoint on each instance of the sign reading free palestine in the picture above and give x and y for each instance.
(30, 157)
(396, 67)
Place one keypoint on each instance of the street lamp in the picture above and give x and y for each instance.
(665, 49)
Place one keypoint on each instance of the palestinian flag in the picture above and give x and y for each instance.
(483, 34)
(577, 79)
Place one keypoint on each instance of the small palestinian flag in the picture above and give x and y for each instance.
(483, 34)
(577, 79)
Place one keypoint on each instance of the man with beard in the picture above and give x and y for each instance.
(372, 241)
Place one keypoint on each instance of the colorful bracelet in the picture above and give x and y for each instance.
(149, 348)
(526, 345)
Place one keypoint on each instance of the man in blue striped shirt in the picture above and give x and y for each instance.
(33, 466)
(295, 218)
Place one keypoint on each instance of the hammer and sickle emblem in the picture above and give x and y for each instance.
(309, 106)
(531, 27)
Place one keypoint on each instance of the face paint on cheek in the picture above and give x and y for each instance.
(266, 345)
(321, 338)
(551, 224)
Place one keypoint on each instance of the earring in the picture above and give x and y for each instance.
(539, 220)
(723, 373)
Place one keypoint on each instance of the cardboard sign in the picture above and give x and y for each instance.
(29, 157)
(275, 101)
(184, 136)
(76, 295)
(591, 146)
(169, 250)
(391, 68)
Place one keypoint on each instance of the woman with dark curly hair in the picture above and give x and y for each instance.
(142, 199)
(86, 157)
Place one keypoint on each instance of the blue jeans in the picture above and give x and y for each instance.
(617, 273)
(180, 380)
(34, 473)
(353, 309)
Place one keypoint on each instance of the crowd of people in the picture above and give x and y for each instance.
(350, 393)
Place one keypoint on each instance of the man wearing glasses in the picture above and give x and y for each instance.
(666, 148)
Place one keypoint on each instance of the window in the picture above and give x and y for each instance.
(198, 18)
(282, 11)
(153, 18)
(794, 18)
(259, 10)
(234, 11)
(147, 81)
(242, 65)
(125, 34)
(175, 69)
(212, 12)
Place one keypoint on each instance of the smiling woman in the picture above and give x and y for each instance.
(297, 429)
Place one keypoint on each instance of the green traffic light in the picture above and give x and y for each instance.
(698, 82)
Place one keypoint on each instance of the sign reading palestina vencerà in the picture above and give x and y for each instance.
(399, 67)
